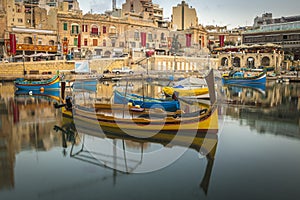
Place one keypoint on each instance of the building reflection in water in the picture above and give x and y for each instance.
(26, 123)
(274, 110)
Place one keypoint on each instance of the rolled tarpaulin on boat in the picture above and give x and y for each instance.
(168, 91)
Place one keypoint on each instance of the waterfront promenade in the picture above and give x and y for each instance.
(159, 67)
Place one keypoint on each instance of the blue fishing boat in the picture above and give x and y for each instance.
(146, 102)
(50, 84)
(244, 78)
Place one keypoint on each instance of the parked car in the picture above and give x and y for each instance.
(122, 70)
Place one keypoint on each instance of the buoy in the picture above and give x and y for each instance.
(30, 93)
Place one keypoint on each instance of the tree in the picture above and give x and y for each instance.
(175, 45)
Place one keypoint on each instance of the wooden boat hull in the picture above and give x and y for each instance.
(186, 123)
(50, 84)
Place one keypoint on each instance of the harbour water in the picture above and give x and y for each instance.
(255, 154)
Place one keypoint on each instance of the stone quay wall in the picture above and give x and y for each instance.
(46, 69)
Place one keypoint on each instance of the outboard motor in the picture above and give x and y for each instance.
(69, 103)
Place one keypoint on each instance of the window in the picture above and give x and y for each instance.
(20, 20)
(104, 43)
(75, 29)
(28, 40)
(136, 35)
(75, 41)
(104, 29)
(131, 7)
(84, 28)
(65, 26)
(162, 36)
(94, 30)
(51, 42)
(40, 41)
(150, 37)
(133, 44)
(85, 43)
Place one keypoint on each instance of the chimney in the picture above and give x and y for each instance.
(114, 5)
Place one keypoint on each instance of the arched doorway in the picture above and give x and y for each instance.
(250, 62)
(265, 61)
(236, 62)
(224, 62)
(107, 53)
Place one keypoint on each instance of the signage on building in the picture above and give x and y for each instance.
(82, 67)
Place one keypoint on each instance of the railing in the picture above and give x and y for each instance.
(95, 34)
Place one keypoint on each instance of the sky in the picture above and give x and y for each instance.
(232, 13)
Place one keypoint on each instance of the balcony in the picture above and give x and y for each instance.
(113, 35)
(95, 34)
(74, 32)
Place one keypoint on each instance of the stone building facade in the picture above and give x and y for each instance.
(283, 31)
(60, 28)
(256, 56)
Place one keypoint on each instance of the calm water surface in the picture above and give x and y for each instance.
(256, 153)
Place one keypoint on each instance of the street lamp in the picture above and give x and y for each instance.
(147, 66)
(24, 70)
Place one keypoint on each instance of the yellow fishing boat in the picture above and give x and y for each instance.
(205, 120)
(187, 92)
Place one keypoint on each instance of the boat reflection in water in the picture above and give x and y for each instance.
(238, 94)
(125, 153)
(51, 95)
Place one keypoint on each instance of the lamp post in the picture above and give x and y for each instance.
(24, 70)
(147, 66)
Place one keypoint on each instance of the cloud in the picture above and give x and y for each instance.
(100, 6)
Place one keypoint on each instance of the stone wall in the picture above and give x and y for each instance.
(43, 69)
(11, 71)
